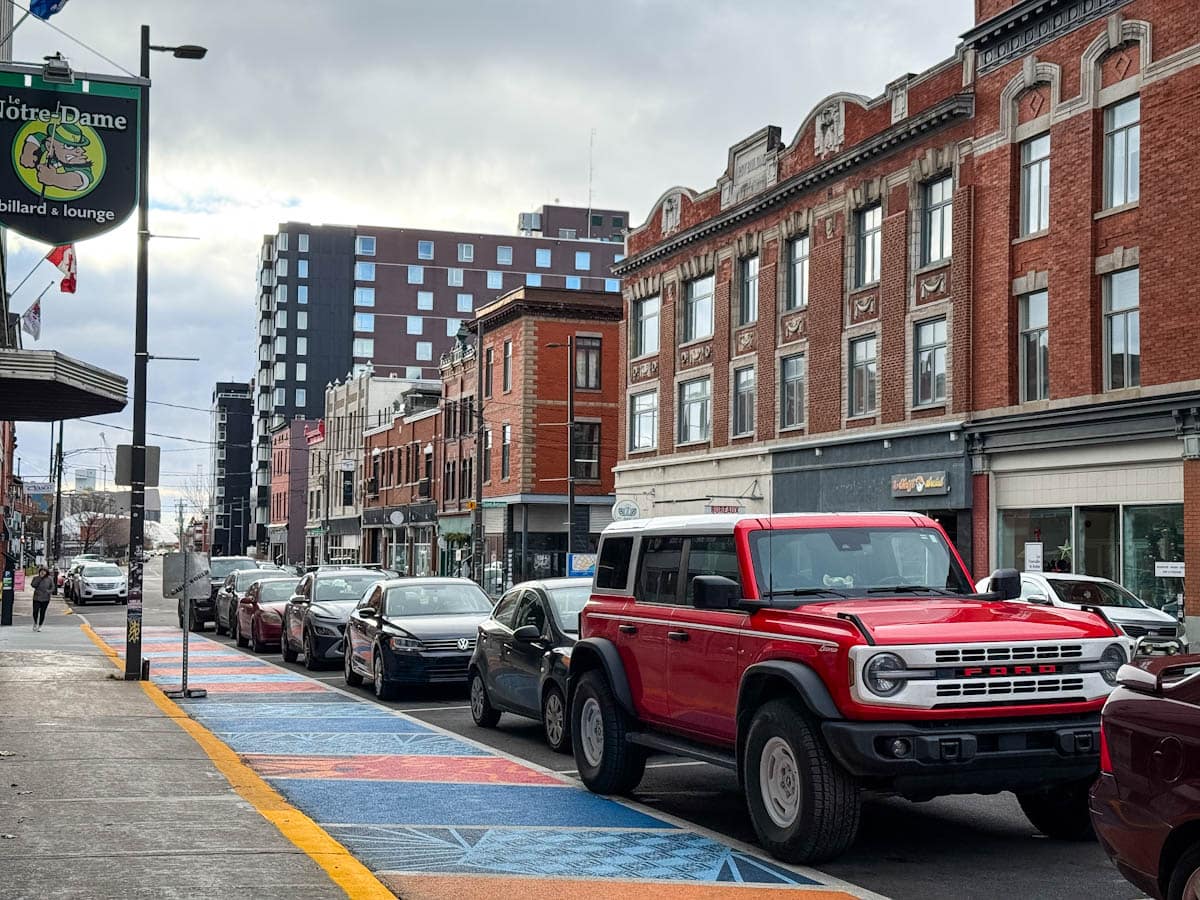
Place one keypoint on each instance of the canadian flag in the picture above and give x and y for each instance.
(64, 258)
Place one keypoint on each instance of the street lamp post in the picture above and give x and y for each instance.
(141, 355)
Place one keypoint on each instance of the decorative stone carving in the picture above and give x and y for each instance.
(753, 166)
(1050, 21)
(745, 341)
(670, 213)
(898, 92)
(934, 284)
(829, 226)
(862, 308)
(830, 130)
(695, 355)
(794, 327)
(644, 370)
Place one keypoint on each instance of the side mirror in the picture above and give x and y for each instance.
(1039, 600)
(527, 634)
(1006, 583)
(715, 592)
(368, 612)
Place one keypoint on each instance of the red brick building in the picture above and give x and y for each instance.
(402, 461)
(957, 297)
(289, 491)
(525, 385)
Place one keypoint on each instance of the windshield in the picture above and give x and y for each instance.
(568, 602)
(436, 600)
(854, 561)
(221, 566)
(270, 591)
(1094, 593)
(102, 572)
(344, 585)
(247, 577)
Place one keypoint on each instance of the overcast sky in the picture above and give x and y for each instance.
(444, 114)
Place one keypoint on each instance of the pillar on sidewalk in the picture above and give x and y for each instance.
(1191, 543)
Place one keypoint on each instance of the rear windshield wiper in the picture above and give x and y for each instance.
(806, 592)
(910, 589)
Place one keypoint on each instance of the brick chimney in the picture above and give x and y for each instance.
(986, 9)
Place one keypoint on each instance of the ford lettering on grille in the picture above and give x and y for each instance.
(1007, 671)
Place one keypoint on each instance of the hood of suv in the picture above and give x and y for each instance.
(947, 621)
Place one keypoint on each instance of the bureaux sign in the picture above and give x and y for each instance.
(73, 155)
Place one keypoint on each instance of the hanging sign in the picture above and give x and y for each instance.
(72, 171)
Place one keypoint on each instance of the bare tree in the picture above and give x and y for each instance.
(100, 525)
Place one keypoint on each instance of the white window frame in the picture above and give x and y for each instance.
(466, 253)
(364, 245)
(426, 249)
(704, 404)
(1035, 185)
(637, 414)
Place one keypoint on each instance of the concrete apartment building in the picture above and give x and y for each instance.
(333, 298)
(232, 513)
(524, 404)
(960, 297)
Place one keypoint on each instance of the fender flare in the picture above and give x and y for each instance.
(601, 653)
(803, 679)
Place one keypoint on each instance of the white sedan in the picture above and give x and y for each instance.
(1123, 609)
(101, 581)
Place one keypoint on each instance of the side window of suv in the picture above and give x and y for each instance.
(712, 555)
(373, 599)
(658, 570)
(612, 569)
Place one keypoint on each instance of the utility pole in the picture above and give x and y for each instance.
(571, 376)
(58, 453)
(477, 537)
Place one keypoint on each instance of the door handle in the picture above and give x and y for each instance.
(627, 629)
(677, 635)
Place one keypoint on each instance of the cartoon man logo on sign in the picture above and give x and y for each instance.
(59, 161)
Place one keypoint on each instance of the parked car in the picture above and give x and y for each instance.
(823, 656)
(1143, 805)
(315, 616)
(410, 631)
(522, 656)
(68, 580)
(259, 615)
(1124, 609)
(231, 591)
(202, 611)
(99, 581)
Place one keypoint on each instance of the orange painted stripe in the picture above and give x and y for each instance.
(491, 887)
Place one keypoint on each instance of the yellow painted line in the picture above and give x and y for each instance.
(347, 872)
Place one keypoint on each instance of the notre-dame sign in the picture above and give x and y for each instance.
(73, 154)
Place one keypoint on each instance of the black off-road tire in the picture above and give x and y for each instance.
(621, 765)
(826, 820)
(483, 713)
(1186, 868)
(1060, 812)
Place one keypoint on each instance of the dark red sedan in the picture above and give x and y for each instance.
(1146, 803)
(260, 612)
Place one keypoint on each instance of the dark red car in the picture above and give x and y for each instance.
(260, 612)
(1146, 803)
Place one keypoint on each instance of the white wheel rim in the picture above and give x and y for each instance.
(477, 697)
(779, 782)
(591, 732)
(1191, 890)
(554, 718)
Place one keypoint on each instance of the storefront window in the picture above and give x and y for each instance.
(423, 552)
(1098, 542)
(1049, 527)
(1153, 534)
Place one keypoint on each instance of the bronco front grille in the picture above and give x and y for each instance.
(1018, 653)
(1023, 686)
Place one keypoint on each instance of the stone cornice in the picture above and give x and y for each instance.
(952, 109)
(1028, 25)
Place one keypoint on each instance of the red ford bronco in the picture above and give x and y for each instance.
(822, 656)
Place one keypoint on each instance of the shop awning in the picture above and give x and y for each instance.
(45, 386)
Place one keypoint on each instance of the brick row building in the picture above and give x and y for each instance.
(960, 297)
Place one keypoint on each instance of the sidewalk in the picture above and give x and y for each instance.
(433, 815)
(104, 795)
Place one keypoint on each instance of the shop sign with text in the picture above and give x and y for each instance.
(920, 483)
(73, 155)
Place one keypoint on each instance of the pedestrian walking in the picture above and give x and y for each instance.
(42, 584)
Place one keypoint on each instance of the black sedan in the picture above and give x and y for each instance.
(315, 616)
(521, 658)
(410, 631)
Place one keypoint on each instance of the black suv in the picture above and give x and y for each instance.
(219, 568)
(314, 619)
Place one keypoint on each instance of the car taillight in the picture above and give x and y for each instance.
(1106, 765)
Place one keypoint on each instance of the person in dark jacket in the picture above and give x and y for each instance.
(42, 584)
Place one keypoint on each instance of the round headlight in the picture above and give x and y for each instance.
(1112, 659)
(876, 674)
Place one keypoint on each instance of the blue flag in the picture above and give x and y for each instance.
(44, 9)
